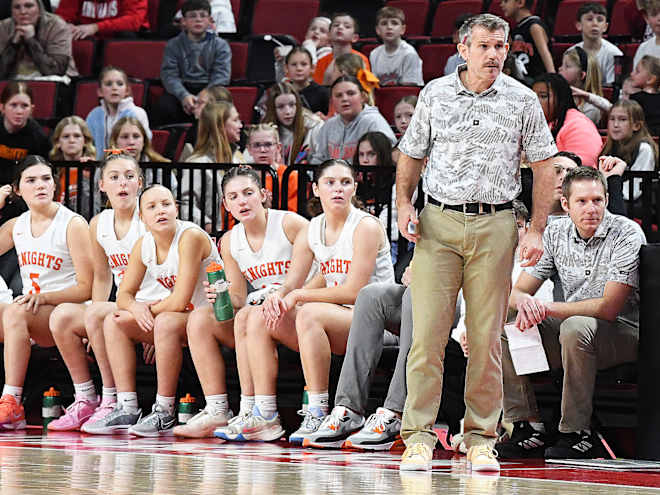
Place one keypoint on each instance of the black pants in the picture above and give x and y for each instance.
(10, 271)
(168, 109)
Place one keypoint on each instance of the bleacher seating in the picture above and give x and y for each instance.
(140, 59)
(387, 98)
(46, 96)
(244, 99)
(84, 53)
(239, 61)
(416, 12)
(627, 22)
(446, 14)
(290, 17)
(435, 57)
(557, 50)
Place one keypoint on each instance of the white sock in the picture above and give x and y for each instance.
(128, 401)
(17, 392)
(247, 403)
(319, 401)
(85, 390)
(216, 404)
(109, 394)
(540, 427)
(267, 405)
(166, 404)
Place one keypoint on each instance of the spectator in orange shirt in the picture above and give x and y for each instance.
(265, 149)
(343, 33)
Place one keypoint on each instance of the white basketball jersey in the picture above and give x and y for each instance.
(45, 261)
(166, 272)
(119, 250)
(334, 261)
(268, 266)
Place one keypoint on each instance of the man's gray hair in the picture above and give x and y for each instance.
(488, 21)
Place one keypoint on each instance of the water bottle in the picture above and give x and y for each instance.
(187, 408)
(222, 307)
(51, 406)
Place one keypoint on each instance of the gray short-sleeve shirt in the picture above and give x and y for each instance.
(584, 267)
(474, 141)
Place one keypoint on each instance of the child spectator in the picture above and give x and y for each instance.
(530, 40)
(395, 62)
(349, 64)
(265, 149)
(219, 131)
(628, 138)
(403, 112)
(116, 103)
(343, 33)
(34, 43)
(72, 142)
(455, 60)
(572, 130)
(317, 43)
(651, 46)
(222, 16)
(646, 76)
(193, 60)
(628, 88)
(583, 72)
(104, 18)
(298, 67)
(295, 124)
(592, 23)
(339, 135)
(212, 94)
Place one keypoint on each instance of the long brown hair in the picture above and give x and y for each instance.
(211, 134)
(299, 132)
(627, 149)
(89, 150)
(147, 150)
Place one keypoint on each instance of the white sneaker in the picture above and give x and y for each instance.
(380, 432)
(335, 428)
(202, 425)
(233, 431)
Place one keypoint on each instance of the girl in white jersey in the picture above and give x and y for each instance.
(53, 248)
(351, 250)
(113, 233)
(257, 251)
(176, 254)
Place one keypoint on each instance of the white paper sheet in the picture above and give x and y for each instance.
(526, 350)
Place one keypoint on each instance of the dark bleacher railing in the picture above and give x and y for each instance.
(374, 190)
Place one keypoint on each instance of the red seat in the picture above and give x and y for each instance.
(446, 14)
(367, 48)
(608, 92)
(236, 9)
(290, 17)
(239, 60)
(416, 12)
(557, 51)
(153, 6)
(627, 21)
(139, 59)
(496, 9)
(629, 50)
(87, 98)
(244, 100)
(83, 54)
(159, 139)
(44, 98)
(388, 97)
(566, 17)
(434, 59)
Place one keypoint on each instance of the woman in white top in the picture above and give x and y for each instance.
(53, 248)
(351, 249)
(257, 251)
(176, 254)
(113, 232)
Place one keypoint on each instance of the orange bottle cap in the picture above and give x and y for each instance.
(51, 392)
(213, 267)
(188, 399)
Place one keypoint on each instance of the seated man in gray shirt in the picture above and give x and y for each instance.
(595, 256)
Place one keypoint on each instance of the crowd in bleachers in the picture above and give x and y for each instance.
(288, 86)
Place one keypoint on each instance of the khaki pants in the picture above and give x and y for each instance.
(581, 345)
(475, 252)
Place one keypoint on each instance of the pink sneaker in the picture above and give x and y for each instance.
(105, 408)
(76, 414)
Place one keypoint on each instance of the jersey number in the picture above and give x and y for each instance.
(34, 277)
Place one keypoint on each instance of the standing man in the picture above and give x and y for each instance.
(473, 125)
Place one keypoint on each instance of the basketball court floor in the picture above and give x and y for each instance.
(32, 463)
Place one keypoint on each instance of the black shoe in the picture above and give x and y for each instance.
(525, 443)
(581, 445)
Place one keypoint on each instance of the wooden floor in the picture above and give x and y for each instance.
(73, 463)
